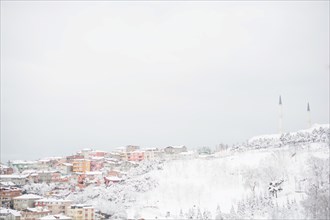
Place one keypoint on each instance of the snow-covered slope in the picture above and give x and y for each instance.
(207, 183)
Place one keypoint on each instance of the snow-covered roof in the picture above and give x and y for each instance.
(178, 147)
(23, 162)
(96, 158)
(93, 173)
(4, 211)
(28, 196)
(67, 164)
(37, 209)
(81, 206)
(113, 178)
(29, 171)
(2, 166)
(53, 200)
(81, 159)
(151, 148)
(187, 153)
(7, 183)
(51, 217)
(48, 171)
(13, 176)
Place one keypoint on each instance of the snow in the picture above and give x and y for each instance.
(13, 176)
(28, 196)
(51, 217)
(232, 184)
(4, 211)
(53, 200)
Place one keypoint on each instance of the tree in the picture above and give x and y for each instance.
(317, 202)
(218, 214)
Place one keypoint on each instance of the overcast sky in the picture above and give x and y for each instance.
(109, 74)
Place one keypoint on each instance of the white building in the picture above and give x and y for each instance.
(25, 201)
(56, 206)
(9, 214)
(16, 179)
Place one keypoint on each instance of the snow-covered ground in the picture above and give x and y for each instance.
(207, 183)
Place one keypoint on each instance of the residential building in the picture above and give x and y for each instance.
(34, 213)
(5, 170)
(9, 214)
(8, 193)
(81, 165)
(21, 165)
(65, 168)
(151, 153)
(56, 206)
(132, 148)
(175, 149)
(135, 156)
(18, 180)
(97, 163)
(81, 212)
(25, 201)
(49, 176)
(70, 159)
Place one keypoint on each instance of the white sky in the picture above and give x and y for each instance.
(108, 74)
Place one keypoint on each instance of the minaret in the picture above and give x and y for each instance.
(280, 126)
(309, 121)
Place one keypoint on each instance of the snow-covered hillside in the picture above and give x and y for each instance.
(206, 184)
(268, 177)
(225, 182)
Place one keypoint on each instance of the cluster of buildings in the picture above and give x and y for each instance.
(72, 173)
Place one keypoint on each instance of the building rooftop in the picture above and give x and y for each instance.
(4, 211)
(28, 196)
(51, 217)
(53, 200)
(13, 176)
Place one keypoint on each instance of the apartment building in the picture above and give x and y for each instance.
(56, 206)
(81, 165)
(81, 212)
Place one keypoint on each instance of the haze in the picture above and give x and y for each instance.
(108, 74)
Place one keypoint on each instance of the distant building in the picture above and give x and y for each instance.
(132, 148)
(56, 206)
(71, 158)
(49, 176)
(21, 165)
(5, 170)
(96, 163)
(9, 214)
(151, 153)
(64, 168)
(25, 201)
(98, 153)
(8, 193)
(175, 149)
(135, 155)
(81, 165)
(81, 212)
(18, 180)
(34, 213)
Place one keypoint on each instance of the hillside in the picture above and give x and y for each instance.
(227, 185)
